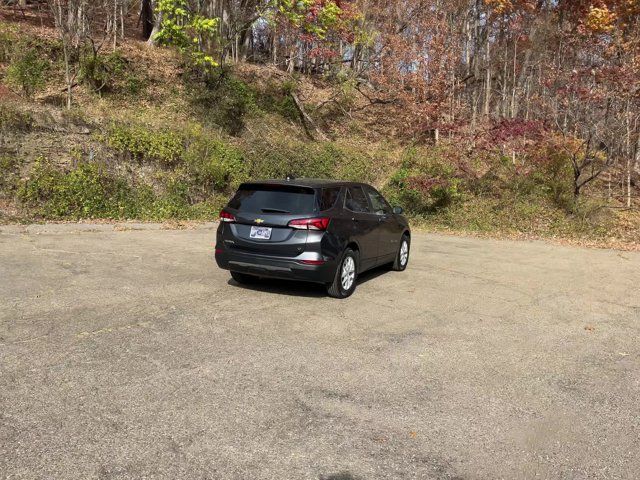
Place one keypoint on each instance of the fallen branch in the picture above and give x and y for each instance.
(373, 101)
(307, 121)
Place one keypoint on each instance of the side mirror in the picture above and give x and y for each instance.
(398, 210)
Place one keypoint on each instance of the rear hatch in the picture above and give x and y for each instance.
(262, 214)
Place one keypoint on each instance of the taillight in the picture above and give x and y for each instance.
(226, 217)
(312, 262)
(310, 223)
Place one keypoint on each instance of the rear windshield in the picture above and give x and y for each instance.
(283, 199)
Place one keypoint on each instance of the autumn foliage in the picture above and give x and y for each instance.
(499, 77)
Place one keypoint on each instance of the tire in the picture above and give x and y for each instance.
(348, 268)
(243, 278)
(402, 257)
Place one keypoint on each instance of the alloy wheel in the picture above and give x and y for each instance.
(404, 253)
(348, 273)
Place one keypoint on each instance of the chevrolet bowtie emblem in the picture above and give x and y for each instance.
(259, 221)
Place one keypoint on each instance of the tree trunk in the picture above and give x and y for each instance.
(146, 17)
(629, 153)
(512, 110)
(487, 81)
(157, 23)
(274, 47)
(636, 163)
(115, 25)
(67, 72)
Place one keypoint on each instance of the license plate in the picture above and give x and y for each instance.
(262, 233)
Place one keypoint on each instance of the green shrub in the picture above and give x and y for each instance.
(41, 184)
(99, 71)
(223, 100)
(8, 174)
(556, 176)
(144, 144)
(352, 164)
(276, 98)
(110, 73)
(319, 161)
(175, 202)
(398, 192)
(85, 191)
(212, 164)
(8, 38)
(279, 159)
(89, 191)
(424, 184)
(207, 163)
(287, 108)
(27, 70)
(134, 84)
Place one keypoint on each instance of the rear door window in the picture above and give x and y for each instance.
(379, 204)
(284, 199)
(329, 198)
(356, 201)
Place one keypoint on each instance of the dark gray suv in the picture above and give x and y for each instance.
(311, 230)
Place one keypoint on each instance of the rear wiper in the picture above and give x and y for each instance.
(273, 210)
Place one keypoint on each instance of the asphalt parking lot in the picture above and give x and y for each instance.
(126, 353)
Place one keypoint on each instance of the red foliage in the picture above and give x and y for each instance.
(322, 52)
(516, 128)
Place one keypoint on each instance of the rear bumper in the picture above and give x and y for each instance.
(274, 267)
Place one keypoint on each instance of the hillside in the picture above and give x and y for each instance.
(147, 139)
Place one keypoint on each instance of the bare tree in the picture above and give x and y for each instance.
(65, 17)
(588, 164)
